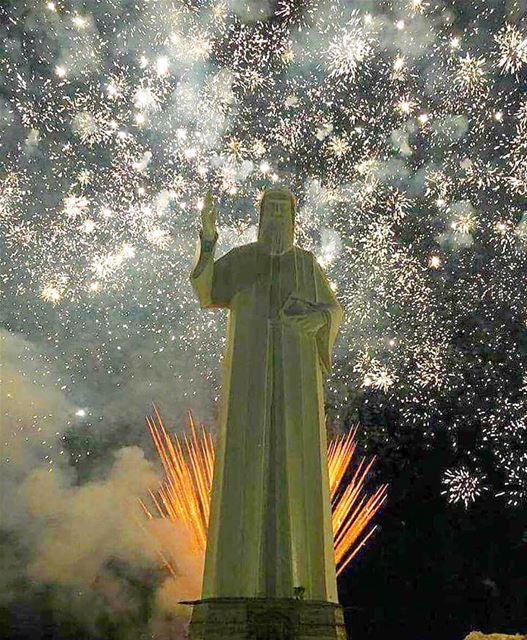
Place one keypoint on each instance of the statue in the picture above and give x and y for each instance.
(270, 533)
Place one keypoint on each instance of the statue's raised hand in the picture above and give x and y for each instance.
(208, 218)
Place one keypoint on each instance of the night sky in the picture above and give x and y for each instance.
(401, 126)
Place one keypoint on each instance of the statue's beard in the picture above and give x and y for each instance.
(276, 238)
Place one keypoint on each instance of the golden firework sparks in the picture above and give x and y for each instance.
(184, 495)
(188, 462)
(352, 507)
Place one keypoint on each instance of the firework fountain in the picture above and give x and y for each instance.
(184, 496)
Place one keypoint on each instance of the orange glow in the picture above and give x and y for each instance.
(351, 506)
(188, 462)
(184, 495)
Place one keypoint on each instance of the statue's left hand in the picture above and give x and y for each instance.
(308, 322)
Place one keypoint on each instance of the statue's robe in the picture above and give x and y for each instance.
(270, 522)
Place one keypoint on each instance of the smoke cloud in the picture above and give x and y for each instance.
(87, 544)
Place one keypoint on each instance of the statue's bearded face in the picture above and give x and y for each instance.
(276, 221)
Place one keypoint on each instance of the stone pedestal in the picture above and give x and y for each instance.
(266, 619)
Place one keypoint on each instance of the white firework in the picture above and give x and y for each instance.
(471, 74)
(462, 485)
(350, 49)
(512, 45)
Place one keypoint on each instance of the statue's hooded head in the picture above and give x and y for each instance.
(277, 220)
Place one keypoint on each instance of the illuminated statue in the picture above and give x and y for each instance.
(270, 533)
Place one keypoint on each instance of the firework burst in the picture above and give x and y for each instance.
(402, 130)
(463, 485)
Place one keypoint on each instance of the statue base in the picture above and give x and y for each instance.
(266, 619)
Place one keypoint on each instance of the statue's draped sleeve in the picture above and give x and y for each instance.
(327, 334)
(213, 280)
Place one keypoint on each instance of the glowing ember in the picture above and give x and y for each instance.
(188, 463)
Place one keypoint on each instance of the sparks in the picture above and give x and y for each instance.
(188, 463)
